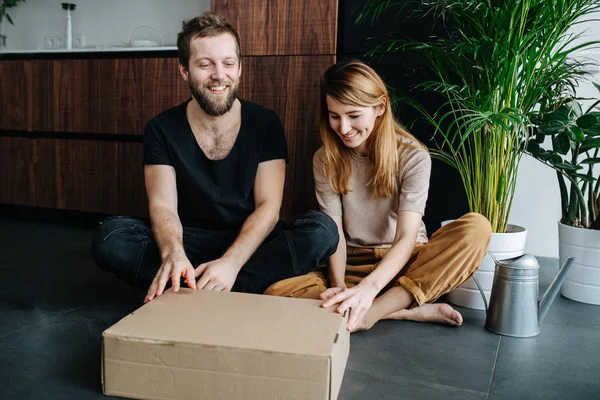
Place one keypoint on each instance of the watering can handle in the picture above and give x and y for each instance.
(479, 286)
(481, 292)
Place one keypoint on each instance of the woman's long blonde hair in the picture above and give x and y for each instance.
(355, 83)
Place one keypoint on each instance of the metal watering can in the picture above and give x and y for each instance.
(514, 309)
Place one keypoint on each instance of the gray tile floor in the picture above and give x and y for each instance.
(54, 304)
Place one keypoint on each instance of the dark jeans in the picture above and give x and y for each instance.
(126, 247)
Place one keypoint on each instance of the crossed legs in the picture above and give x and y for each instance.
(452, 255)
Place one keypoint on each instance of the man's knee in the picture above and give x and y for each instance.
(324, 231)
(315, 238)
(106, 238)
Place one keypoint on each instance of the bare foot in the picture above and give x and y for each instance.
(366, 323)
(438, 312)
(363, 326)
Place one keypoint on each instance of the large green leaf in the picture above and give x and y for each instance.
(562, 144)
(593, 131)
(575, 133)
(590, 143)
(546, 155)
(540, 137)
(555, 159)
(568, 167)
(552, 127)
(533, 148)
(587, 121)
(591, 160)
(586, 178)
(576, 108)
(562, 114)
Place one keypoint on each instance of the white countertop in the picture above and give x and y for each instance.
(90, 49)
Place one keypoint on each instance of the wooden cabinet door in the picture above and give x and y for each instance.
(14, 94)
(282, 84)
(107, 96)
(282, 27)
(82, 175)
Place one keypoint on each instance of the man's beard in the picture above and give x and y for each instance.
(208, 105)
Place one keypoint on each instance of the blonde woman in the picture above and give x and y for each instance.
(372, 179)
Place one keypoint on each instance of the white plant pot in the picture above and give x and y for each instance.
(583, 280)
(503, 246)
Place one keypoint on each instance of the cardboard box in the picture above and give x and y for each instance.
(216, 345)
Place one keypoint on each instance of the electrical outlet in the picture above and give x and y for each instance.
(78, 41)
(53, 42)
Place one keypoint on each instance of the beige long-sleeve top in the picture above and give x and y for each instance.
(369, 221)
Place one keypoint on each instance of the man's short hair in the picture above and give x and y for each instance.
(209, 24)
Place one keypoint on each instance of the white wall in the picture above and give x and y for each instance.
(103, 22)
(536, 204)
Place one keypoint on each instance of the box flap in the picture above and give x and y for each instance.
(236, 320)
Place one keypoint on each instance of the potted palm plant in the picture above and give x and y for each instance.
(4, 6)
(568, 140)
(493, 68)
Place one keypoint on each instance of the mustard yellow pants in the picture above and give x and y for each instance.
(451, 256)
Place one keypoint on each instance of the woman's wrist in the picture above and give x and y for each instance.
(373, 284)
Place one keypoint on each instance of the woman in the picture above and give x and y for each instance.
(372, 178)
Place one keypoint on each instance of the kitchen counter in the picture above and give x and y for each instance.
(88, 49)
(89, 52)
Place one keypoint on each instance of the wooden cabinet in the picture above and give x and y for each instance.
(108, 96)
(283, 27)
(292, 93)
(56, 149)
(14, 94)
(85, 175)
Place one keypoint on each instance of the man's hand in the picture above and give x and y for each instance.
(174, 267)
(218, 275)
(357, 299)
(332, 291)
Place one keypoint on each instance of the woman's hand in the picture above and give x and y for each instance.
(357, 299)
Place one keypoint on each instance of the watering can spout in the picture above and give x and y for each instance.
(552, 291)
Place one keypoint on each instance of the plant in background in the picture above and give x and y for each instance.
(494, 67)
(573, 153)
(4, 6)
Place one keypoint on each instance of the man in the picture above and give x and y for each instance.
(214, 169)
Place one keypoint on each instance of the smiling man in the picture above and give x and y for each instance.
(214, 170)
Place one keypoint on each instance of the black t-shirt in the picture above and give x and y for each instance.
(214, 194)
